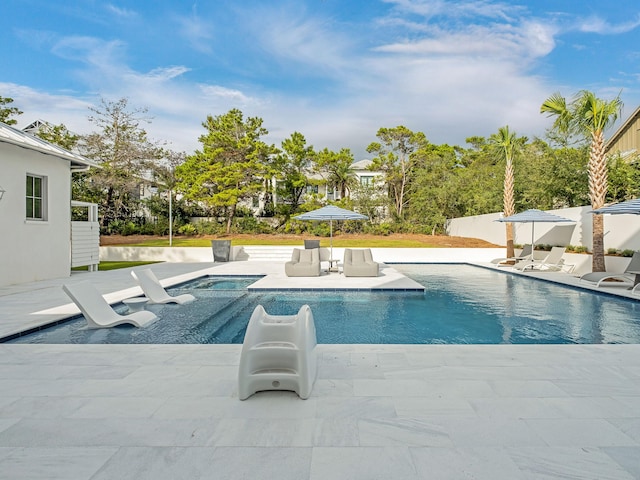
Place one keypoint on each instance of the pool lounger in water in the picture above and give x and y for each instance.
(154, 291)
(99, 313)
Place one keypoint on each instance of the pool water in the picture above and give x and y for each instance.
(214, 282)
(461, 305)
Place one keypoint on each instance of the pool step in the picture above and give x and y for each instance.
(266, 253)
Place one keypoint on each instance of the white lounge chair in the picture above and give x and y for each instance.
(553, 262)
(523, 255)
(358, 262)
(303, 263)
(278, 353)
(626, 278)
(99, 313)
(154, 291)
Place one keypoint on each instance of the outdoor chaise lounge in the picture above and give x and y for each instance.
(553, 262)
(278, 353)
(303, 263)
(154, 291)
(627, 277)
(509, 261)
(99, 313)
(359, 263)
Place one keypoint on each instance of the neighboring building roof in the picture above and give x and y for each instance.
(361, 164)
(615, 138)
(34, 127)
(24, 140)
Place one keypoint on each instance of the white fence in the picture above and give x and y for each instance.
(621, 231)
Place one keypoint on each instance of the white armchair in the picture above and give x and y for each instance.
(359, 263)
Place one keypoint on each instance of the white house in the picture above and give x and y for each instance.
(364, 176)
(35, 209)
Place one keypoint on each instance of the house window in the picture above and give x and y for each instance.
(36, 190)
(312, 189)
(366, 181)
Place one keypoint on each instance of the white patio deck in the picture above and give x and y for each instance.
(376, 411)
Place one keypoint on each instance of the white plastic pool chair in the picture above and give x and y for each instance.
(278, 353)
(553, 262)
(99, 313)
(525, 254)
(626, 278)
(155, 292)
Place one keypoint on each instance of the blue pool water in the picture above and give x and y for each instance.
(462, 305)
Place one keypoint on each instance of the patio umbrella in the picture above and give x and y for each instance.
(532, 216)
(630, 207)
(331, 213)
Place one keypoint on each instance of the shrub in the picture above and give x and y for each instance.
(209, 228)
(581, 249)
(380, 229)
(612, 251)
(250, 224)
(187, 229)
(627, 253)
(148, 228)
(130, 228)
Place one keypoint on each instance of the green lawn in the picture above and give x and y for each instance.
(103, 266)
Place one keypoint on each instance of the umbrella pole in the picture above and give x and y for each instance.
(331, 238)
(533, 226)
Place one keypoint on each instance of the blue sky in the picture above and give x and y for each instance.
(334, 70)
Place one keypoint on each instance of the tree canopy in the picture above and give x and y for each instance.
(7, 112)
(231, 165)
(414, 186)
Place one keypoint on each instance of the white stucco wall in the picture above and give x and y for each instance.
(621, 231)
(33, 250)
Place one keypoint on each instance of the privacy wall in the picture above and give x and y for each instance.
(621, 231)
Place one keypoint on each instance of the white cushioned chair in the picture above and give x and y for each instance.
(359, 263)
(303, 263)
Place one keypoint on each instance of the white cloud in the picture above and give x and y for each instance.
(56, 108)
(458, 9)
(88, 50)
(292, 38)
(197, 31)
(595, 24)
(447, 80)
(120, 12)
(216, 92)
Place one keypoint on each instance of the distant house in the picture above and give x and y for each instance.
(35, 211)
(626, 140)
(319, 186)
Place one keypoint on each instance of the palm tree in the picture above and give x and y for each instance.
(506, 145)
(588, 116)
(343, 177)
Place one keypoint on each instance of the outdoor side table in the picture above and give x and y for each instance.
(135, 304)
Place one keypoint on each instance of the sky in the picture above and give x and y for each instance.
(334, 70)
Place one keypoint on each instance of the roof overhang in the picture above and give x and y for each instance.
(21, 139)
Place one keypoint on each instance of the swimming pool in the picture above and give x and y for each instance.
(462, 304)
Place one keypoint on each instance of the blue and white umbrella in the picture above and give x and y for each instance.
(629, 207)
(331, 213)
(532, 216)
